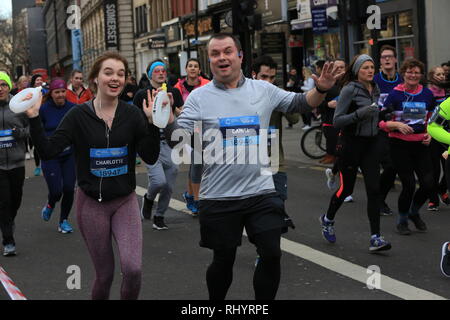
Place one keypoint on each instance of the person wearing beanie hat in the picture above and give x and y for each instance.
(59, 173)
(162, 175)
(357, 116)
(13, 134)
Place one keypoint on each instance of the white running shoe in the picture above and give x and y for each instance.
(349, 199)
(332, 182)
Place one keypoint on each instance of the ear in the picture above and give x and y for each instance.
(253, 75)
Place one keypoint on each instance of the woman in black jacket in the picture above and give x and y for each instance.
(357, 115)
(106, 133)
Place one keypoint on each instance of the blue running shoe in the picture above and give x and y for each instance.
(194, 207)
(46, 213)
(65, 227)
(189, 200)
(327, 229)
(37, 171)
(379, 244)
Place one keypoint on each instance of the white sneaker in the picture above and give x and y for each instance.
(332, 183)
(349, 199)
(306, 128)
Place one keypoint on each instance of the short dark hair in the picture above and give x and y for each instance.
(263, 61)
(221, 36)
(193, 59)
(446, 64)
(319, 64)
(74, 71)
(388, 47)
(412, 63)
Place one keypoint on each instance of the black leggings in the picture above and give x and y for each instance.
(361, 152)
(266, 278)
(409, 158)
(387, 178)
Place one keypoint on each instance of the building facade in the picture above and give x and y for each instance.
(107, 25)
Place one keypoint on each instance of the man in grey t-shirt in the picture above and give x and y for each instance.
(234, 112)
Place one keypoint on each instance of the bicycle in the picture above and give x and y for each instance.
(313, 143)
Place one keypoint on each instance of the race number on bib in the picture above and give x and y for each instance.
(6, 139)
(238, 131)
(109, 162)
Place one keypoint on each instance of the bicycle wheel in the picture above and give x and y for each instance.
(313, 143)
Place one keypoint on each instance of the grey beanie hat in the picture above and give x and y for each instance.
(360, 61)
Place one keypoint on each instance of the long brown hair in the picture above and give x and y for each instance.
(97, 66)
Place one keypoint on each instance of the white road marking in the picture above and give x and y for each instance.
(338, 265)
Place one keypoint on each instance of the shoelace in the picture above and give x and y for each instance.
(329, 229)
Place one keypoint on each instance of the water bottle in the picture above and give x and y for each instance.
(161, 113)
(17, 105)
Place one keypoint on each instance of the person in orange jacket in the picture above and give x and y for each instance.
(76, 93)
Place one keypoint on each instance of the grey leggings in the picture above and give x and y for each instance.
(98, 222)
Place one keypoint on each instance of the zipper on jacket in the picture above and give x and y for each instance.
(107, 131)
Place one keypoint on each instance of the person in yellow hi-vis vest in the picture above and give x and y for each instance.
(439, 129)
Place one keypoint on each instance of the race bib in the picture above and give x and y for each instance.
(414, 111)
(238, 131)
(109, 162)
(6, 139)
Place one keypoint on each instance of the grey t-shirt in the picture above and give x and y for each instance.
(245, 112)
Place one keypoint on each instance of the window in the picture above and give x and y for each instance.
(396, 30)
(141, 19)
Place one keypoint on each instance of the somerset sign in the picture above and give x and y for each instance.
(111, 24)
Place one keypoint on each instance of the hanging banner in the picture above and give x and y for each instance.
(111, 24)
(319, 20)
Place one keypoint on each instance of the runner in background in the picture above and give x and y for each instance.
(13, 135)
(76, 92)
(59, 173)
(193, 80)
(387, 79)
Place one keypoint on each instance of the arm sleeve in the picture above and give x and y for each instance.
(147, 144)
(341, 116)
(50, 147)
(287, 102)
(437, 130)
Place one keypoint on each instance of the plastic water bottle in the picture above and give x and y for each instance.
(161, 113)
(17, 105)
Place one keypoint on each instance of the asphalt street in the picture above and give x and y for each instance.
(174, 265)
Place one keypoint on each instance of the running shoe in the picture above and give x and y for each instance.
(432, 206)
(9, 250)
(403, 229)
(146, 210)
(189, 200)
(445, 198)
(332, 182)
(194, 207)
(37, 171)
(46, 212)
(445, 259)
(327, 229)
(158, 223)
(385, 210)
(349, 199)
(65, 227)
(379, 244)
(418, 222)
(306, 128)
